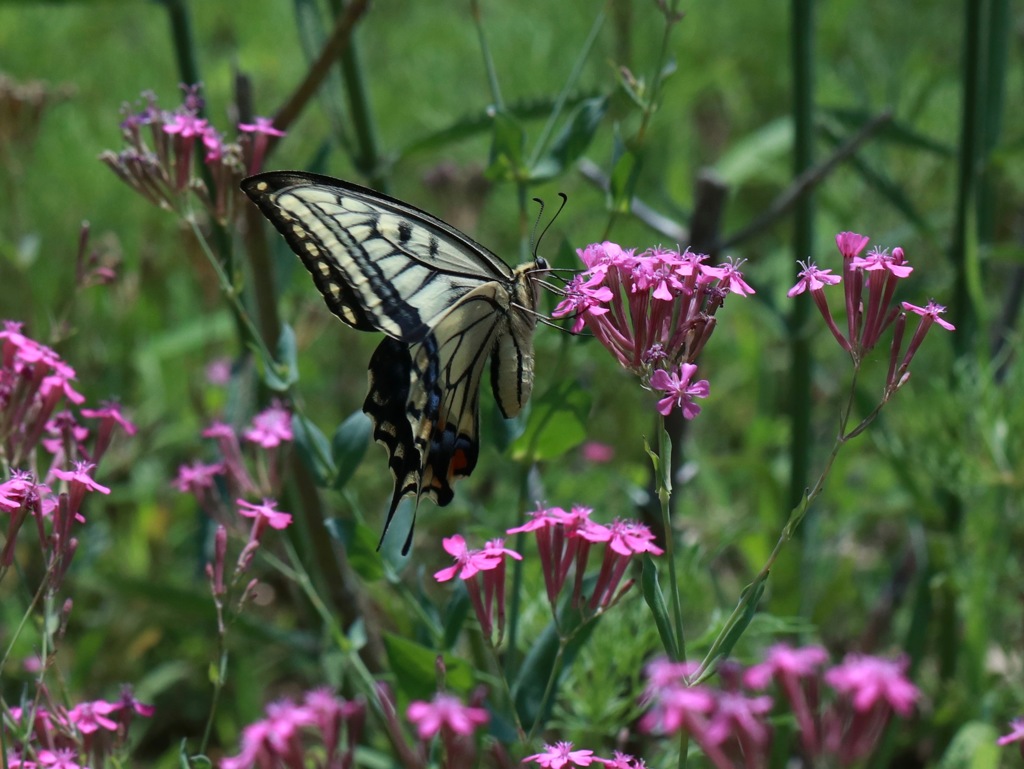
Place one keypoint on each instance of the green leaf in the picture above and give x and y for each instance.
(349, 446)
(508, 141)
(749, 600)
(314, 449)
(659, 609)
(284, 371)
(762, 154)
(623, 178)
(414, 668)
(557, 423)
(573, 141)
(538, 667)
(360, 544)
(973, 747)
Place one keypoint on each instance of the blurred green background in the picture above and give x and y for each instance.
(912, 548)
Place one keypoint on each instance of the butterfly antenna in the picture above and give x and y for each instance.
(536, 242)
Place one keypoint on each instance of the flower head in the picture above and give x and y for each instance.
(679, 390)
(561, 755)
(445, 712)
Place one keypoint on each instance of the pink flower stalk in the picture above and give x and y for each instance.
(331, 716)
(276, 740)
(653, 309)
(564, 540)
(160, 149)
(261, 131)
(814, 280)
(198, 479)
(626, 540)
(680, 390)
(929, 316)
(239, 480)
(79, 482)
(407, 757)
(110, 416)
(797, 674)
(1016, 735)
(869, 691)
(878, 272)
(483, 572)
(561, 755)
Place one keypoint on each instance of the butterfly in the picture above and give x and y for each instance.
(447, 306)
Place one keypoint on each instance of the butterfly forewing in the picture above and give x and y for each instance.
(380, 264)
(448, 305)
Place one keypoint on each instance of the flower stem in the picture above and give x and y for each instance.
(664, 497)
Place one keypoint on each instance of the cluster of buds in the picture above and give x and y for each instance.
(654, 311)
(322, 731)
(870, 282)
(38, 736)
(165, 149)
(34, 384)
(731, 724)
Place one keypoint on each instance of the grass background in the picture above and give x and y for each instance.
(912, 548)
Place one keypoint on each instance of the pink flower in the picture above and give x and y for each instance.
(483, 572)
(92, 716)
(850, 243)
(197, 477)
(467, 562)
(271, 427)
(1016, 735)
(276, 519)
(783, 660)
(261, 132)
(679, 391)
(873, 682)
(185, 124)
(562, 755)
(62, 758)
(812, 278)
(655, 306)
(444, 712)
(623, 761)
(263, 125)
(597, 453)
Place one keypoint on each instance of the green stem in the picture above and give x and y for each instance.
(492, 74)
(665, 497)
(549, 687)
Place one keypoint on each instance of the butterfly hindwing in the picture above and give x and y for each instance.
(447, 306)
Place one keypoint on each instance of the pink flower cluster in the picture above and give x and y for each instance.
(563, 755)
(63, 738)
(483, 571)
(322, 731)
(267, 436)
(159, 161)
(34, 383)
(564, 542)
(653, 311)
(732, 727)
(870, 282)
